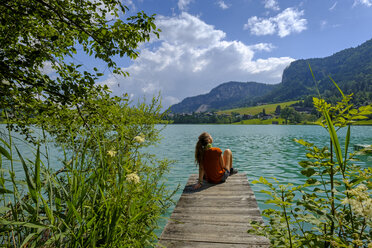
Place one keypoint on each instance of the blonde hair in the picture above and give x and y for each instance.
(201, 146)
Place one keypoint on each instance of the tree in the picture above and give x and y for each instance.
(277, 110)
(108, 192)
(295, 117)
(39, 33)
(286, 113)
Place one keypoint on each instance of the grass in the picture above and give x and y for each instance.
(364, 122)
(269, 109)
(260, 122)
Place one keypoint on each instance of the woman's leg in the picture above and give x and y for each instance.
(227, 159)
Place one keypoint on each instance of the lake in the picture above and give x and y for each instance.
(258, 150)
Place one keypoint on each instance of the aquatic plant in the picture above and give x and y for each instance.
(333, 208)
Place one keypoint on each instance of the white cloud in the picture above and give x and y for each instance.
(191, 58)
(223, 5)
(47, 68)
(262, 47)
(333, 6)
(260, 26)
(287, 22)
(271, 4)
(130, 4)
(367, 3)
(183, 4)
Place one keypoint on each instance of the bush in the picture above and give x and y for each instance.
(333, 208)
(107, 192)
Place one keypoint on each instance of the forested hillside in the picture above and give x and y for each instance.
(225, 96)
(351, 69)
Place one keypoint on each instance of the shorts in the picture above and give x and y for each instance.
(225, 176)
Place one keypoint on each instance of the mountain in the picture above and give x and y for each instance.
(351, 69)
(225, 96)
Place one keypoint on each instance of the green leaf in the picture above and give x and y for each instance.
(76, 213)
(4, 210)
(30, 184)
(347, 141)
(5, 143)
(266, 192)
(5, 191)
(48, 211)
(305, 164)
(28, 238)
(37, 170)
(24, 224)
(5, 153)
(308, 172)
(343, 96)
(334, 138)
(311, 181)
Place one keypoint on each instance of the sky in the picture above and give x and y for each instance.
(204, 43)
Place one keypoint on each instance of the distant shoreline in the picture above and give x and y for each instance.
(263, 124)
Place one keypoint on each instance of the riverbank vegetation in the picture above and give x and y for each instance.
(105, 191)
(300, 112)
(333, 208)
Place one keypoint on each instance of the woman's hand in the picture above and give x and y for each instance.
(197, 185)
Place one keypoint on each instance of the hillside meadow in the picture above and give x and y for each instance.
(269, 109)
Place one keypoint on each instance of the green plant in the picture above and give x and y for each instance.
(38, 69)
(107, 192)
(334, 207)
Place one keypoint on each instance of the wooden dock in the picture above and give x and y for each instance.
(216, 215)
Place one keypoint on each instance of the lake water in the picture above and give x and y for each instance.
(258, 150)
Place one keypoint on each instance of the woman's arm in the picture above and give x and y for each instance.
(200, 179)
(222, 163)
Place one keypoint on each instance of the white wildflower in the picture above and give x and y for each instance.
(360, 201)
(140, 138)
(112, 153)
(358, 242)
(133, 178)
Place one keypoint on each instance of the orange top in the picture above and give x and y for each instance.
(211, 165)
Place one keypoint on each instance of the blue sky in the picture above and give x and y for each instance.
(207, 42)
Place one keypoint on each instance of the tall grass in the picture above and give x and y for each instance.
(108, 192)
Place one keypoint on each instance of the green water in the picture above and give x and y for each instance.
(258, 150)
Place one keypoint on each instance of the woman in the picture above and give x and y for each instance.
(213, 166)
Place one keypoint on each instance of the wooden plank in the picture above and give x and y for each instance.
(188, 244)
(217, 215)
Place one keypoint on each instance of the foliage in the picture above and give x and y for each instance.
(107, 192)
(333, 208)
(289, 113)
(225, 96)
(39, 34)
(278, 109)
(199, 118)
